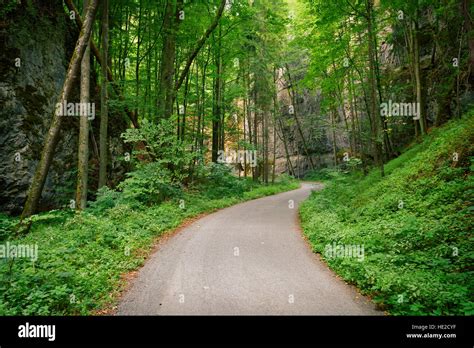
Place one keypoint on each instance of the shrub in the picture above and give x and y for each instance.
(149, 184)
(220, 182)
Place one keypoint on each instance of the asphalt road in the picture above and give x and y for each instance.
(247, 259)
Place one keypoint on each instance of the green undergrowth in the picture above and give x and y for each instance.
(81, 256)
(415, 225)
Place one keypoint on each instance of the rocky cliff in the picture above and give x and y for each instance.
(36, 41)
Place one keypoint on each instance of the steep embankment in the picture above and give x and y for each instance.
(415, 226)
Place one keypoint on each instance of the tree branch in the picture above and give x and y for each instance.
(98, 57)
(199, 46)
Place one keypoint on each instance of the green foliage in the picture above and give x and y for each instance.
(415, 225)
(7, 227)
(160, 179)
(220, 182)
(7, 7)
(170, 155)
(106, 199)
(352, 163)
(322, 174)
(152, 183)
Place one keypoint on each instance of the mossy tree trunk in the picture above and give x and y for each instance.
(52, 137)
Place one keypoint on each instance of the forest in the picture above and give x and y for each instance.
(125, 120)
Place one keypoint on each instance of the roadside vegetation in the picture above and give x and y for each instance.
(415, 225)
(83, 255)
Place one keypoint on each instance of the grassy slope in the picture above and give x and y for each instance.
(419, 254)
(82, 257)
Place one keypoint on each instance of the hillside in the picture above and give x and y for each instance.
(414, 225)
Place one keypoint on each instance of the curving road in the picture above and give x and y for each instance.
(246, 259)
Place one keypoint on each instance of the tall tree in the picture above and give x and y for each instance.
(104, 97)
(52, 137)
(417, 69)
(172, 17)
(83, 149)
(374, 110)
(217, 110)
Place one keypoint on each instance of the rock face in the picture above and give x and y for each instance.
(307, 110)
(36, 42)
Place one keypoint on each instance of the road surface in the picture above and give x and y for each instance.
(248, 259)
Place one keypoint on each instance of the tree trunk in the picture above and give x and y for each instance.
(417, 69)
(137, 63)
(256, 169)
(265, 146)
(83, 149)
(333, 128)
(244, 81)
(52, 136)
(216, 117)
(185, 108)
(374, 111)
(353, 114)
(285, 145)
(466, 8)
(104, 117)
(274, 121)
(201, 109)
(168, 57)
(222, 119)
(383, 121)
